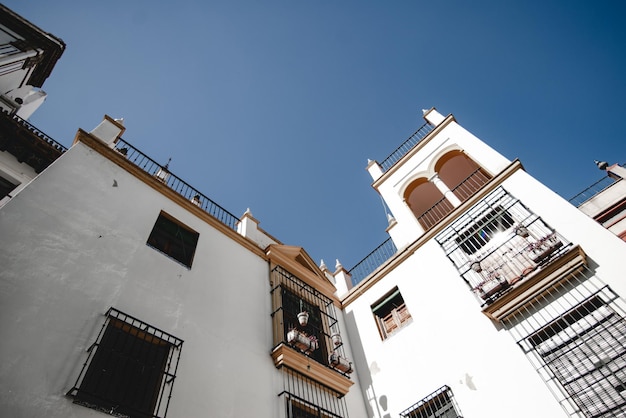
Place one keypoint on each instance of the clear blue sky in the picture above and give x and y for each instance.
(277, 105)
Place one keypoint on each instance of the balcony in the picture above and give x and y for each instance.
(27, 143)
(593, 190)
(406, 146)
(504, 252)
(462, 191)
(372, 261)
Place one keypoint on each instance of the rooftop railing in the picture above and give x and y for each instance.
(40, 134)
(162, 174)
(593, 190)
(406, 146)
(372, 261)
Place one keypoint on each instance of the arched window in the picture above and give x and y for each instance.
(427, 202)
(461, 174)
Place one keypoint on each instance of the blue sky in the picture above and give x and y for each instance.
(277, 105)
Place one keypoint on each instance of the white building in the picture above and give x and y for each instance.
(125, 291)
(27, 56)
(500, 291)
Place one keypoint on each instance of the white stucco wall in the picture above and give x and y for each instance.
(74, 244)
(450, 342)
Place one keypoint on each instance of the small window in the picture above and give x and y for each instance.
(391, 313)
(439, 404)
(130, 369)
(6, 187)
(174, 239)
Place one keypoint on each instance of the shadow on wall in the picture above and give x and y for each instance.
(376, 406)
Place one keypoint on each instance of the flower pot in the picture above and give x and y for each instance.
(302, 342)
(303, 318)
(522, 231)
(340, 363)
(336, 338)
(476, 267)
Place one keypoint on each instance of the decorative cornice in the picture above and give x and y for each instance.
(544, 280)
(287, 356)
(290, 258)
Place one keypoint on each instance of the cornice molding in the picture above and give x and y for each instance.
(287, 356)
(112, 155)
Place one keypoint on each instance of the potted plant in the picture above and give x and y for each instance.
(336, 339)
(302, 341)
(303, 318)
(340, 363)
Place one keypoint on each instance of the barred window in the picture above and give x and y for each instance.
(306, 398)
(585, 350)
(130, 369)
(439, 404)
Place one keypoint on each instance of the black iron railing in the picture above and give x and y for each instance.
(40, 134)
(591, 191)
(162, 174)
(372, 261)
(406, 146)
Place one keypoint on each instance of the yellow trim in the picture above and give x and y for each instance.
(287, 356)
(432, 134)
(117, 158)
(288, 257)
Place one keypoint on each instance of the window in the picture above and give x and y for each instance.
(290, 297)
(129, 370)
(439, 404)
(6, 187)
(391, 313)
(478, 235)
(174, 239)
(585, 350)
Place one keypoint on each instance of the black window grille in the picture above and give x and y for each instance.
(319, 338)
(130, 369)
(439, 404)
(391, 313)
(499, 242)
(585, 350)
(174, 239)
(306, 398)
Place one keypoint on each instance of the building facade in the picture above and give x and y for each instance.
(498, 291)
(125, 291)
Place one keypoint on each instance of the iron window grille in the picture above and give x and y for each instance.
(290, 296)
(391, 313)
(173, 239)
(439, 404)
(306, 398)
(130, 369)
(584, 350)
(499, 242)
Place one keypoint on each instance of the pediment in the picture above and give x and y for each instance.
(296, 260)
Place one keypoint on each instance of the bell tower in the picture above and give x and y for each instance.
(434, 171)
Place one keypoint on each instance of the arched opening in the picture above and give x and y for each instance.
(461, 174)
(427, 202)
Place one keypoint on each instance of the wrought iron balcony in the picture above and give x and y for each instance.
(162, 174)
(463, 191)
(406, 146)
(372, 261)
(591, 191)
